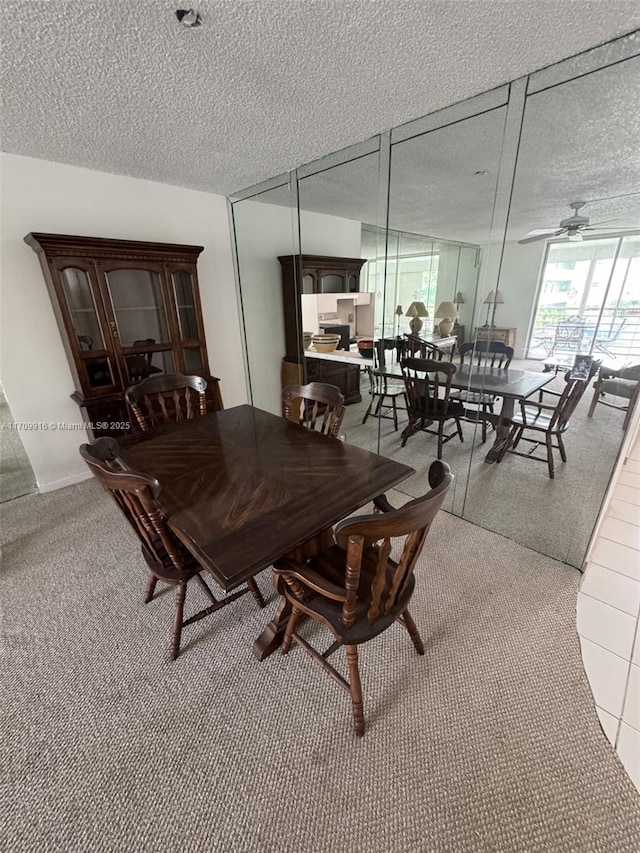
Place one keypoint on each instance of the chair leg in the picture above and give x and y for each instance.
(255, 592)
(459, 426)
(594, 402)
(394, 408)
(563, 453)
(550, 456)
(151, 587)
(292, 624)
(412, 630)
(181, 592)
(368, 412)
(356, 689)
(517, 435)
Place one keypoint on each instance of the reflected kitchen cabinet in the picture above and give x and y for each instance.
(316, 274)
(126, 310)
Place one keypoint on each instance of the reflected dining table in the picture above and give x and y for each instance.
(242, 487)
(507, 383)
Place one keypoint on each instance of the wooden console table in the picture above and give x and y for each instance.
(495, 333)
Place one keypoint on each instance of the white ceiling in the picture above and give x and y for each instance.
(264, 85)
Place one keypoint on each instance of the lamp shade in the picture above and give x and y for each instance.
(494, 298)
(446, 309)
(498, 300)
(417, 309)
(459, 300)
(489, 300)
(399, 311)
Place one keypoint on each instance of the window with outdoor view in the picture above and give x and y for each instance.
(589, 301)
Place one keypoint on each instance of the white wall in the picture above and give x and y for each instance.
(38, 195)
(519, 277)
(265, 231)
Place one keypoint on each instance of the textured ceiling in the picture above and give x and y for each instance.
(579, 142)
(263, 86)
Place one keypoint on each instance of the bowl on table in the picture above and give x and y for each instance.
(306, 339)
(365, 348)
(325, 343)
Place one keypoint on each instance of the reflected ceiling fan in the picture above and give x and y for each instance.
(571, 227)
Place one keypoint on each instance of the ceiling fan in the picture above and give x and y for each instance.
(571, 227)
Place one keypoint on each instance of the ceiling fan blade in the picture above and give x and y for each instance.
(602, 222)
(541, 232)
(541, 235)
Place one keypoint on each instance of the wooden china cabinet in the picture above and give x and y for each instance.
(126, 310)
(315, 274)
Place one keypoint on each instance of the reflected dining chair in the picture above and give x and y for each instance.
(136, 495)
(165, 399)
(415, 346)
(355, 588)
(545, 422)
(623, 383)
(494, 355)
(428, 387)
(384, 390)
(316, 406)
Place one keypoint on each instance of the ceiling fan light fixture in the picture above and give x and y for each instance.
(189, 18)
(575, 236)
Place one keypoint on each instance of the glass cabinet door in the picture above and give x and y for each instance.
(185, 305)
(95, 363)
(138, 305)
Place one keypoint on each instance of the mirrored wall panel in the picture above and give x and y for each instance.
(498, 243)
(569, 288)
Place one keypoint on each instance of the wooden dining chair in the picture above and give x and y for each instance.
(494, 355)
(428, 387)
(317, 406)
(166, 399)
(541, 423)
(136, 495)
(416, 347)
(355, 588)
(384, 390)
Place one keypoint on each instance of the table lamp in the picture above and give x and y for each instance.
(492, 299)
(416, 311)
(398, 312)
(448, 312)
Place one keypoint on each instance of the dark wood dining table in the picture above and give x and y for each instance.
(507, 383)
(243, 487)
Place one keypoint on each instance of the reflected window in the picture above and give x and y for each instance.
(589, 300)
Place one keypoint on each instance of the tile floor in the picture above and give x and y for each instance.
(608, 609)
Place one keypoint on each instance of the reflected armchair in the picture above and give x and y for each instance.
(623, 383)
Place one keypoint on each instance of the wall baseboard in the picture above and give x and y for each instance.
(54, 485)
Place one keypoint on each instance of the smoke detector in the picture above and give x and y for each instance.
(189, 18)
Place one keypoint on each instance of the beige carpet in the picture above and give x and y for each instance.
(515, 498)
(488, 743)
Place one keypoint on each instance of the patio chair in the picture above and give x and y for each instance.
(603, 339)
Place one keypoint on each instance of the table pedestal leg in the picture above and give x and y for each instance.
(272, 636)
(502, 431)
